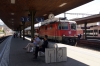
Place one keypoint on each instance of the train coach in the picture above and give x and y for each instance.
(91, 33)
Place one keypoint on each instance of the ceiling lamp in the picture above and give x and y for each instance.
(62, 4)
(12, 13)
(44, 14)
(12, 1)
(12, 19)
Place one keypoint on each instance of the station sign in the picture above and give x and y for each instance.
(28, 19)
(39, 19)
(25, 19)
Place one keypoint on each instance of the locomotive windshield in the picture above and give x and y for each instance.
(63, 26)
(73, 26)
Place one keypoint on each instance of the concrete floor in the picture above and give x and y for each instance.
(77, 56)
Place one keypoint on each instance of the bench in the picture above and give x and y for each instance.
(50, 45)
(54, 53)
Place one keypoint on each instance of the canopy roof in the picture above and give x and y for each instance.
(89, 19)
(11, 13)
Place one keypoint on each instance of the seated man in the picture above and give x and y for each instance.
(42, 47)
(36, 42)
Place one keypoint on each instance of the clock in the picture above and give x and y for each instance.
(51, 16)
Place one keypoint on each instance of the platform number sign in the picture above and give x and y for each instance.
(25, 19)
(28, 19)
(39, 19)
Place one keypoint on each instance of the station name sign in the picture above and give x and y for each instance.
(28, 19)
(39, 19)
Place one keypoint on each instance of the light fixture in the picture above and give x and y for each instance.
(44, 14)
(12, 1)
(62, 4)
(12, 13)
(12, 19)
(12, 22)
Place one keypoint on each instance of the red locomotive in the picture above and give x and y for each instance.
(56, 30)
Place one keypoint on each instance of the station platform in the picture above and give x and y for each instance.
(76, 56)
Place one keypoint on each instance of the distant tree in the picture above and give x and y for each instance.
(1, 30)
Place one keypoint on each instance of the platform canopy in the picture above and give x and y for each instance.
(11, 11)
(88, 19)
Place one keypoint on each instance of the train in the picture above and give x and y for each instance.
(58, 30)
(92, 32)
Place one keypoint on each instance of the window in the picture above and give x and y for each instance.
(46, 28)
(89, 32)
(99, 31)
(95, 32)
(50, 26)
(42, 28)
(73, 26)
(63, 26)
(59, 26)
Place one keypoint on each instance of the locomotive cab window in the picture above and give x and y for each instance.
(63, 26)
(73, 26)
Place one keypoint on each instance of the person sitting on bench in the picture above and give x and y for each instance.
(36, 41)
(42, 47)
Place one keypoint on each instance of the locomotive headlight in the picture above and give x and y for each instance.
(63, 35)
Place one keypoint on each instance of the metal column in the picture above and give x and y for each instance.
(64, 14)
(32, 14)
(20, 30)
(85, 25)
(23, 31)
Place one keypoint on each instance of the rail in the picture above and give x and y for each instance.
(92, 43)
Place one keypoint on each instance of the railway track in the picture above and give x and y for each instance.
(2, 39)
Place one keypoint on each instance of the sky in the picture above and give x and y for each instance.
(1, 22)
(89, 8)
